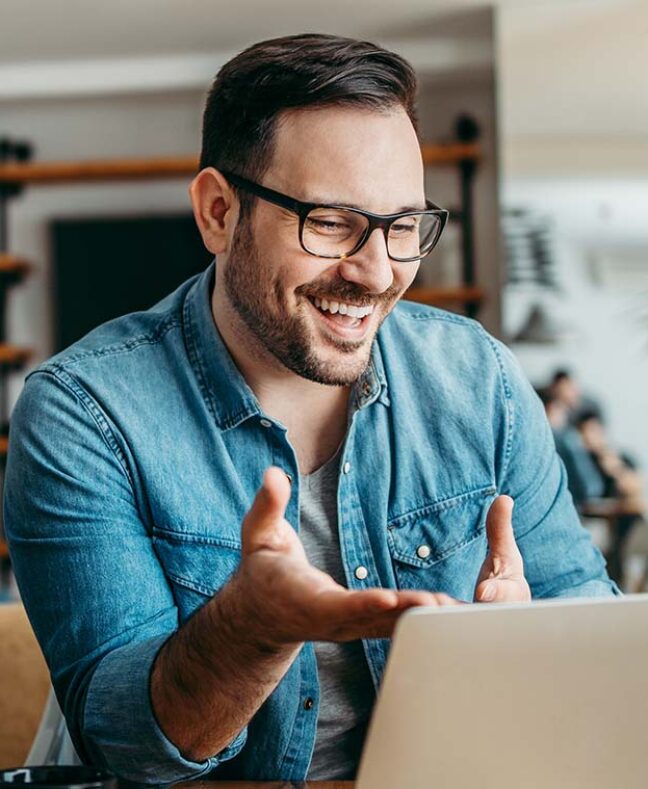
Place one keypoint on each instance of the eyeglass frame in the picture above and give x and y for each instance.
(376, 221)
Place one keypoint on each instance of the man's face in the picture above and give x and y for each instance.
(286, 298)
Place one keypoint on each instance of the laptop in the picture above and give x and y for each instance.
(550, 695)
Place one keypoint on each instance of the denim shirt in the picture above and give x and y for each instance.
(135, 454)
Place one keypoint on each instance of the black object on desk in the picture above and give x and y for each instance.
(58, 778)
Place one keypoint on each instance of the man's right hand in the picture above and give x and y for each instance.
(211, 676)
(288, 600)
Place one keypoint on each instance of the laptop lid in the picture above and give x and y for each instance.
(551, 694)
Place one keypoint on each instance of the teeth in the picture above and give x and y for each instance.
(344, 309)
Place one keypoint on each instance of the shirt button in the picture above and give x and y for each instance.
(366, 388)
(361, 573)
(346, 468)
(265, 423)
(423, 551)
(308, 703)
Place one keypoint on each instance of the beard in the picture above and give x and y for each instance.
(259, 299)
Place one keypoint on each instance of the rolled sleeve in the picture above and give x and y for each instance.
(130, 741)
(91, 582)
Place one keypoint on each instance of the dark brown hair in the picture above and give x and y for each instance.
(309, 70)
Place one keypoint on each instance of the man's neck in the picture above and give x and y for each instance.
(314, 414)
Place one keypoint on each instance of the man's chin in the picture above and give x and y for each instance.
(340, 368)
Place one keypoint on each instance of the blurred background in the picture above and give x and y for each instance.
(534, 130)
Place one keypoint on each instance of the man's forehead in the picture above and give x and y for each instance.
(348, 154)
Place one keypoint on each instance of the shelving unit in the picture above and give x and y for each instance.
(465, 156)
(15, 176)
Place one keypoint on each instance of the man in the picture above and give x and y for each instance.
(583, 478)
(181, 641)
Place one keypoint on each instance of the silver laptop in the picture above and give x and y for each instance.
(551, 695)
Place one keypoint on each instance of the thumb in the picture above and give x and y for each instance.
(499, 531)
(262, 524)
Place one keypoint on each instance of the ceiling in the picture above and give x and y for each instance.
(73, 29)
(567, 69)
(45, 30)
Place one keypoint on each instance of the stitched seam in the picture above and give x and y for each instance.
(414, 561)
(195, 358)
(439, 506)
(75, 388)
(508, 405)
(180, 538)
(440, 315)
(191, 585)
(112, 350)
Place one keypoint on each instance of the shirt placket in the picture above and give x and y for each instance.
(296, 759)
(357, 556)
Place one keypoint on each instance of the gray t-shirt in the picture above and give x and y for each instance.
(346, 689)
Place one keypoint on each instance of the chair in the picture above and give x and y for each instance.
(52, 744)
(24, 685)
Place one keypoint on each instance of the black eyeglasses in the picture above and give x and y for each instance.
(335, 231)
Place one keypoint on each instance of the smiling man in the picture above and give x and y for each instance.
(218, 508)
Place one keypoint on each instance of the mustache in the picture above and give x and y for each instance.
(348, 292)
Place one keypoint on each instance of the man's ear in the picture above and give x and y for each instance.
(215, 209)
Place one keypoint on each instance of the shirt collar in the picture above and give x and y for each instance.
(229, 398)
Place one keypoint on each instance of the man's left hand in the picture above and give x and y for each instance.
(501, 579)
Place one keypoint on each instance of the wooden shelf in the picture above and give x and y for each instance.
(443, 296)
(4, 446)
(4, 550)
(173, 167)
(12, 355)
(13, 265)
(106, 170)
(450, 153)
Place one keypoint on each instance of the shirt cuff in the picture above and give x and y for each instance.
(119, 728)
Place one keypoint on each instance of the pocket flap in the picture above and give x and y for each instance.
(427, 536)
(201, 564)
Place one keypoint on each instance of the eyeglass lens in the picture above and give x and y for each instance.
(335, 232)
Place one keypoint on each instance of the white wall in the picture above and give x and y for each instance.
(602, 265)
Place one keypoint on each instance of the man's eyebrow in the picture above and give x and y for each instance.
(346, 204)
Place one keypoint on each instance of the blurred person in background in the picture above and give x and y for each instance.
(583, 476)
(621, 481)
(566, 390)
(219, 507)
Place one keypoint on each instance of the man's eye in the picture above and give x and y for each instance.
(403, 228)
(322, 225)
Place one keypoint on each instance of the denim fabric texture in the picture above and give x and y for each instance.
(135, 454)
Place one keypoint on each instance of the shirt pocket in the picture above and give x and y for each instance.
(196, 567)
(441, 547)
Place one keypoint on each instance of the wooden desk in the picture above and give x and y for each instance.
(616, 513)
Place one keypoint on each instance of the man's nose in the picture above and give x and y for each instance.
(371, 267)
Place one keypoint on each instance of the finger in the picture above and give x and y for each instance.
(503, 590)
(346, 606)
(263, 524)
(370, 613)
(499, 531)
(411, 598)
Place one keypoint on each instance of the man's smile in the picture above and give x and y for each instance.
(346, 320)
